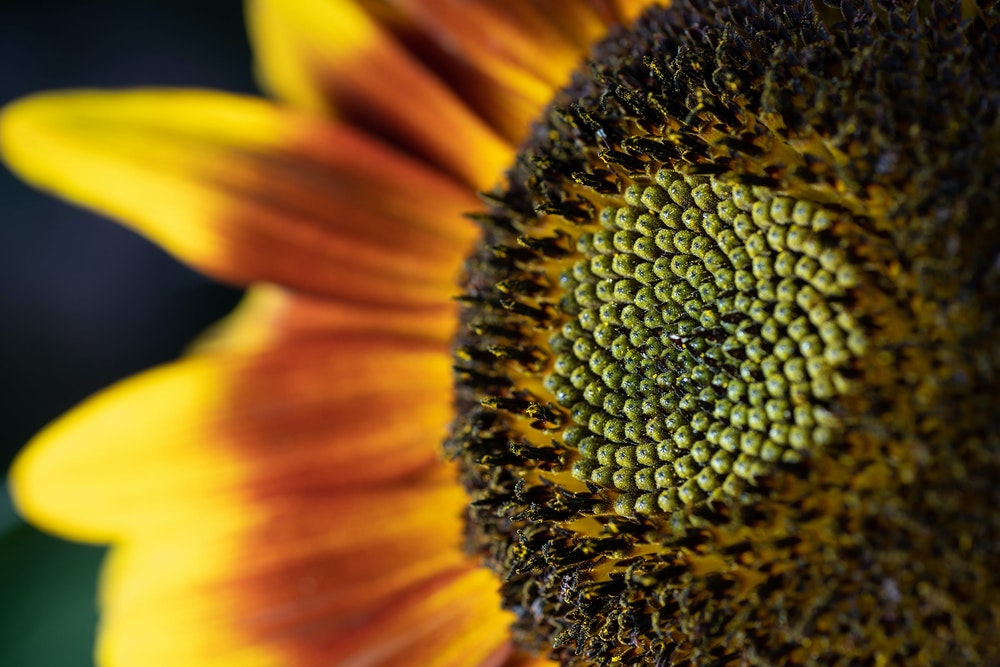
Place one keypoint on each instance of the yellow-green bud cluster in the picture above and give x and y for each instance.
(706, 343)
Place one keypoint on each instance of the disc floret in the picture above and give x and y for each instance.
(729, 355)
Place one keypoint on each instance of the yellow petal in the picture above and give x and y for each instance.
(203, 439)
(451, 623)
(530, 45)
(629, 10)
(529, 661)
(506, 58)
(246, 191)
(331, 57)
(283, 581)
(271, 316)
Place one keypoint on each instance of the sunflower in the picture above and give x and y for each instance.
(705, 375)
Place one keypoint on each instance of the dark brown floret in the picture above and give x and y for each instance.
(728, 378)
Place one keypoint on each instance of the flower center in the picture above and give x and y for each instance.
(727, 375)
(709, 335)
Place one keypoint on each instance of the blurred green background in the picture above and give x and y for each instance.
(83, 302)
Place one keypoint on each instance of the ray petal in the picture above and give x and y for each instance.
(207, 437)
(453, 623)
(246, 191)
(522, 660)
(270, 315)
(367, 578)
(290, 583)
(520, 52)
(332, 57)
(534, 46)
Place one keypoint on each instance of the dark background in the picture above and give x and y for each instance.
(83, 302)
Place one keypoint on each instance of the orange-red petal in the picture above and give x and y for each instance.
(273, 507)
(214, 434)
(270, 316)
(331, 57)
(246, 191)
(504, 58)
(286, 583)
(529, 45)
(522, 660)
(455, 622)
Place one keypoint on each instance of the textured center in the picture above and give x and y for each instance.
(728, 369)
(709, 338)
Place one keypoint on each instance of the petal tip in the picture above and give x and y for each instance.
(35, 490)
(23, 124)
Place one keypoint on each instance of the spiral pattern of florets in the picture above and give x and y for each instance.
(729, 358)
(710, 337)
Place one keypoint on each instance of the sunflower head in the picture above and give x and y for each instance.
(728, 372)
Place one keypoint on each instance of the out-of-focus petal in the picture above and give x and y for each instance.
(505, 58)
(270, 315)
(332, 57)
(530, 45)
(521, 660)
(454, 623)
(292, 582)
(206, 439)
(628, 10)
(246, 191)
